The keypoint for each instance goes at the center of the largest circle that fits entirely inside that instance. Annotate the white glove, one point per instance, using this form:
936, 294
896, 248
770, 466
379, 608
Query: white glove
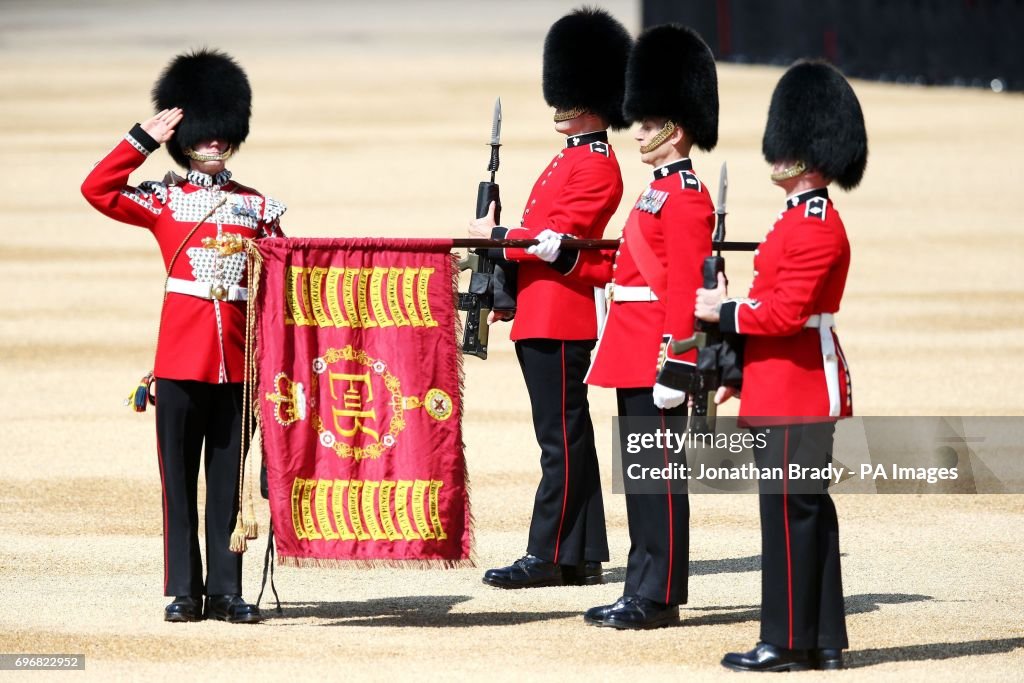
667, 398
548, 246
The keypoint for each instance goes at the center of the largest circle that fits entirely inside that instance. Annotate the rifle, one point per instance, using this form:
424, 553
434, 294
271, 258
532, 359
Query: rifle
719, 357
492, 283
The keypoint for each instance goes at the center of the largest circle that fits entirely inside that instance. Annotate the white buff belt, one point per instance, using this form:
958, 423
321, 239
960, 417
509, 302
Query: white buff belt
207, 290
621, 294
824, 323
601, 308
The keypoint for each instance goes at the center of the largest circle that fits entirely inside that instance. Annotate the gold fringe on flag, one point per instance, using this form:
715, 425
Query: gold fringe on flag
459, 331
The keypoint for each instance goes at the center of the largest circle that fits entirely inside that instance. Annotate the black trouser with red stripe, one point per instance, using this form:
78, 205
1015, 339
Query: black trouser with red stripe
187, 415
801, 580
659, 525
568, 511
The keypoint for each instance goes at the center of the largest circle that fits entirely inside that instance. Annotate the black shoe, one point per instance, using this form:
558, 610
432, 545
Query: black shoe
640, 613
586, 574
526, 572
828, 659
233, 609
766, 657
595, 616
184, 608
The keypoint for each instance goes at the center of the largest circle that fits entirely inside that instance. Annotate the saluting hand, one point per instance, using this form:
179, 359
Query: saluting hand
709, 301
161, 127
481, 227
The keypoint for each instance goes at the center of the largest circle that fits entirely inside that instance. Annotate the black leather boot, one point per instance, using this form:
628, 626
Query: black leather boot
526, 572
767, 657
828, 659
640, 613
586, 574
595, 616
184, 608
233, 609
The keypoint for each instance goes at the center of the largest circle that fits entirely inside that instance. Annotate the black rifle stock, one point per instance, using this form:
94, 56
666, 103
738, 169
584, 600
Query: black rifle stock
705, 380
478, 300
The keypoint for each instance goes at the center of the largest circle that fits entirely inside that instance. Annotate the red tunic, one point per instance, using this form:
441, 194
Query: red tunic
675, 215
799, 271
576, 194
200, 338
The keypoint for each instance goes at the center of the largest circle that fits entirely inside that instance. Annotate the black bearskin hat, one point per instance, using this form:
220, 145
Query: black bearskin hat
672, 74
585, 55
215, 95
815, 118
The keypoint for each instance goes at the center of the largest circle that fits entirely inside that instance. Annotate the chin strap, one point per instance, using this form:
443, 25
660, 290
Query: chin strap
196, 156
799, 168
658, 140
567, 114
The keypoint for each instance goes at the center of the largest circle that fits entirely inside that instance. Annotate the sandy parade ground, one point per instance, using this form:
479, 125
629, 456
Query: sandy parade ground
371, 119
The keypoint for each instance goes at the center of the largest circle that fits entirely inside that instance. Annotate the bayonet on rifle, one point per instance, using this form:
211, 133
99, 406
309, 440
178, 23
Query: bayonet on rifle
488, 279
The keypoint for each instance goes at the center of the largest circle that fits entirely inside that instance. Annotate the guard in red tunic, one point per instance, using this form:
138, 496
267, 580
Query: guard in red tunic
555, 326
203, 99
796, 382
672, 90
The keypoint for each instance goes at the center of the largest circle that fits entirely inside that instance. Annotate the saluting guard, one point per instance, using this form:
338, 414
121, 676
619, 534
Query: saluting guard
203, 101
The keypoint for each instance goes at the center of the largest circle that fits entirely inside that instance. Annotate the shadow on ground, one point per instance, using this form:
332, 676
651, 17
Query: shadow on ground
414, 611
918, 653
855, 604
435, 611
733, 565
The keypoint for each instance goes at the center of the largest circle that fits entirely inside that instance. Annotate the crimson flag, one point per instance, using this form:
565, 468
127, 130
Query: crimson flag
360, 392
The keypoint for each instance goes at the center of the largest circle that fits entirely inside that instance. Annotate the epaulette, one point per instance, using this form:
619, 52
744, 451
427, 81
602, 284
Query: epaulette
155, 188
599, 147
273, 210
172, 178
816, 208
689, 181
